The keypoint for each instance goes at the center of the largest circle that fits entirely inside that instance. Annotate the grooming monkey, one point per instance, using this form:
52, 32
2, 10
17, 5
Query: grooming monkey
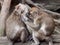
15, 28
41, 25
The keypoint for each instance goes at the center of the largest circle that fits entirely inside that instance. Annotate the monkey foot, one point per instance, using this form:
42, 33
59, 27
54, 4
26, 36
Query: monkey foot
34, 44
50, 43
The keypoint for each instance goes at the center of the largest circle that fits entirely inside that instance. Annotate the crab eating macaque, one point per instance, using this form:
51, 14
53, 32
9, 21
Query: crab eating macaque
40, 24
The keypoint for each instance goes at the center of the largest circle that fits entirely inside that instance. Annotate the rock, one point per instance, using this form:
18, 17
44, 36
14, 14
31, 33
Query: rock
5, 41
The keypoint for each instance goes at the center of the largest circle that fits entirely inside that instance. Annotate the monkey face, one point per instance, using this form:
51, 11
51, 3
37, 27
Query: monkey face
18, 9
33, 13
23, 10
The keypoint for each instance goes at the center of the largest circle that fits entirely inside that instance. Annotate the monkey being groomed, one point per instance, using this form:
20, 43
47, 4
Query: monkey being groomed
15, 28
40, 24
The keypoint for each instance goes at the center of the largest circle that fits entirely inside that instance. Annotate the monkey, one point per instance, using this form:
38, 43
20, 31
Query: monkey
15, 27
41, 25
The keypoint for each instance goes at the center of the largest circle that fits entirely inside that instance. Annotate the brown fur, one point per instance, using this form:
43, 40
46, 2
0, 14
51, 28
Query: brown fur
14, 25
42, 17
39, 17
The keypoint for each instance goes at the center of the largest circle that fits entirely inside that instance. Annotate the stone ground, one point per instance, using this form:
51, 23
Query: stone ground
5, 41
30, 44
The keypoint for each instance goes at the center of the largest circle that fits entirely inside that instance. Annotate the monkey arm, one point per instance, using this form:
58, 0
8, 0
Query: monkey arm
36, 24
32, 25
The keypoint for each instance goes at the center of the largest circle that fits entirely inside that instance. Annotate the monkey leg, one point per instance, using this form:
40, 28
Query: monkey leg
37, 42
49, 40
23, 36
50, 43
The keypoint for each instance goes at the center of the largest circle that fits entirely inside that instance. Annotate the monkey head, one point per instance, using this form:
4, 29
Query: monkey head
34, 12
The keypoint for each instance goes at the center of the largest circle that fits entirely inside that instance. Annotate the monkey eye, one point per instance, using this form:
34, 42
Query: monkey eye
16, 13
